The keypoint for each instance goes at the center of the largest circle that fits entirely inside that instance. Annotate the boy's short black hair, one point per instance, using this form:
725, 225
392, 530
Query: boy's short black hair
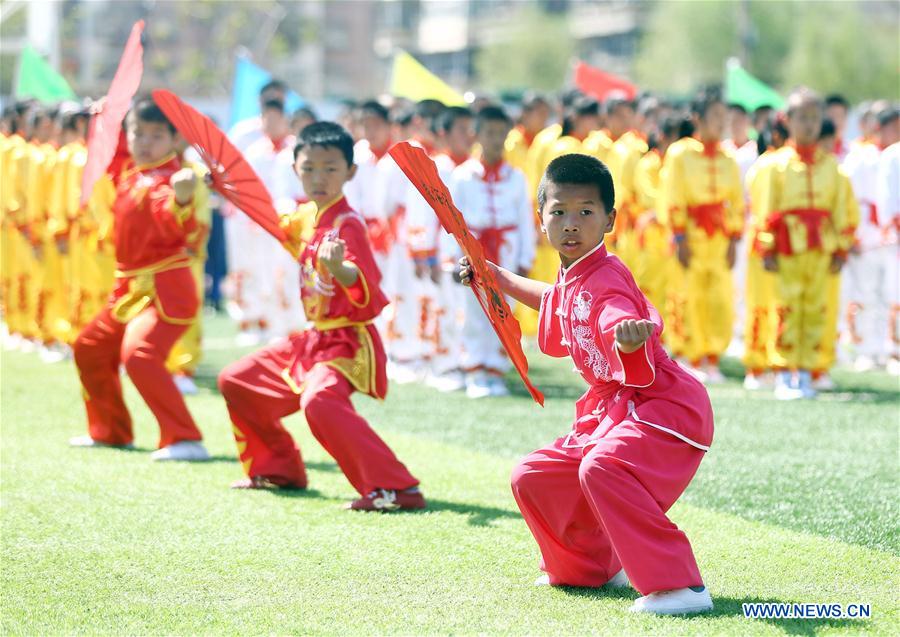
273, 85
326, 135
677, 126
579, 169
304, 111
705, 98
491, 113
146, 110
372, 107
611, 105
836, 99
451, 115
532, 100
734, 106
888, 115
273, 105
403, 116
429, 109
585, 105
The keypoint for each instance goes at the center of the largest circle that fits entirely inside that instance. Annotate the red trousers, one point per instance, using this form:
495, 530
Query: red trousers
143, 345
258, 398
597, 512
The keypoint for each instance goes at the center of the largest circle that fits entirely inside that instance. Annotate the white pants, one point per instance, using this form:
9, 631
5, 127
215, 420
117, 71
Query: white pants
481, 349
875, 288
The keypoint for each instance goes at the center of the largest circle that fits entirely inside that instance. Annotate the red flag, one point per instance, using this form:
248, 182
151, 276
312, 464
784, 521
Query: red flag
229, 173
601, 85
423, 174
103, 136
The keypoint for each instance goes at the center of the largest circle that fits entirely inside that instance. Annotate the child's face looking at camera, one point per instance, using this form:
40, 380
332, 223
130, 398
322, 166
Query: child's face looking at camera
323, 171
575, 219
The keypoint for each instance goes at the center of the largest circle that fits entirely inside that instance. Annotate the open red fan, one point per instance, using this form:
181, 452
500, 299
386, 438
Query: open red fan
103, 136
423, 174
230, 174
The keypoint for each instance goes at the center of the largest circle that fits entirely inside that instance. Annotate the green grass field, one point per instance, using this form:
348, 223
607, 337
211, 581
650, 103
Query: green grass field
796, 502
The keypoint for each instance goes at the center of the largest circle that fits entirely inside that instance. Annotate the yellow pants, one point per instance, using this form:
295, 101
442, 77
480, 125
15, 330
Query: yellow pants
50, 282
801, 301
545, 268
830, 333
185, 356
652, 260
710, 298
23, 293
7, 258
676, 334
759, 300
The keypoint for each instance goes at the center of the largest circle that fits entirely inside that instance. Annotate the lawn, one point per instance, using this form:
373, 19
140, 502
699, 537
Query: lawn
796, 502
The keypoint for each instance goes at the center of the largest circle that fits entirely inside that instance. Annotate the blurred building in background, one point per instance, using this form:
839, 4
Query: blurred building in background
336, 49
343, 49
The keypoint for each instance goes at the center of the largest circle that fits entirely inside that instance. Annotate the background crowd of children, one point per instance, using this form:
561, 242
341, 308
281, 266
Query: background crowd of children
773, 231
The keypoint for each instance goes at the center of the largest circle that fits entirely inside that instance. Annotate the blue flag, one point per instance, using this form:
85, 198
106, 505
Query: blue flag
248, 79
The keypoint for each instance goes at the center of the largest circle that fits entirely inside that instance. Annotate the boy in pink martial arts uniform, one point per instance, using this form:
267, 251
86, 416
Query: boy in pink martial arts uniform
596, 499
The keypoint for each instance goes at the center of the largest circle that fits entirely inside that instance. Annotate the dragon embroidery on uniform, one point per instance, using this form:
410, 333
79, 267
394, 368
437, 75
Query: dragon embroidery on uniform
585, 338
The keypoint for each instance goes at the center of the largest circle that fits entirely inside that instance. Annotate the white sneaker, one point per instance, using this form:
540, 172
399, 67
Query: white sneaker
248, 338
403, 373
619, 580
447, 382
28, 346
714, 375
752, 382
185, 384
477, 386
497, 387
681, 601
52, 354
893, 367
12, 342
186, 450
786, 388
87, 441
863, 364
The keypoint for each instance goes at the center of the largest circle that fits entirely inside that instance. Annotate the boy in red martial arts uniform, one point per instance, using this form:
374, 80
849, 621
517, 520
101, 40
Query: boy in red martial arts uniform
596, 499
154, 300
318, 369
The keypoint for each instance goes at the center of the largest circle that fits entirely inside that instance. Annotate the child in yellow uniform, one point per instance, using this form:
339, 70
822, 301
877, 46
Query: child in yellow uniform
810, 217
653, 237
702, 188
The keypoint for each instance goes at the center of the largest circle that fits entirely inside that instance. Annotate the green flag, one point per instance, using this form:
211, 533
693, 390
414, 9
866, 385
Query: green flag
37, 79
744, 89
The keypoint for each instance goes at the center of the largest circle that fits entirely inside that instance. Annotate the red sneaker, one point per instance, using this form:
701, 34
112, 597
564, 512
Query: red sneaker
388, 500
263, 483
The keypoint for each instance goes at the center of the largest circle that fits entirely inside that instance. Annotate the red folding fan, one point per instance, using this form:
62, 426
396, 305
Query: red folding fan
103, 136
230, 174
423, 174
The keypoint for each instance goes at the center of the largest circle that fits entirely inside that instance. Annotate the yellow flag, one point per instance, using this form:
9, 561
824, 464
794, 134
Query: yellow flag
413, 81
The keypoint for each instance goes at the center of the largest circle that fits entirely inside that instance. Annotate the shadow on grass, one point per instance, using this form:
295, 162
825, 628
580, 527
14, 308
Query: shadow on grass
726, 607
477, 515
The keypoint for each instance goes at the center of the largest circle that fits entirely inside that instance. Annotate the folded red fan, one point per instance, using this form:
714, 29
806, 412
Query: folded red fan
106, 124
229, 173
423, 174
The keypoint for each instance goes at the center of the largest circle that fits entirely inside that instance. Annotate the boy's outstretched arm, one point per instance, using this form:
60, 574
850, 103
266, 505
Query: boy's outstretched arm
524, 290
